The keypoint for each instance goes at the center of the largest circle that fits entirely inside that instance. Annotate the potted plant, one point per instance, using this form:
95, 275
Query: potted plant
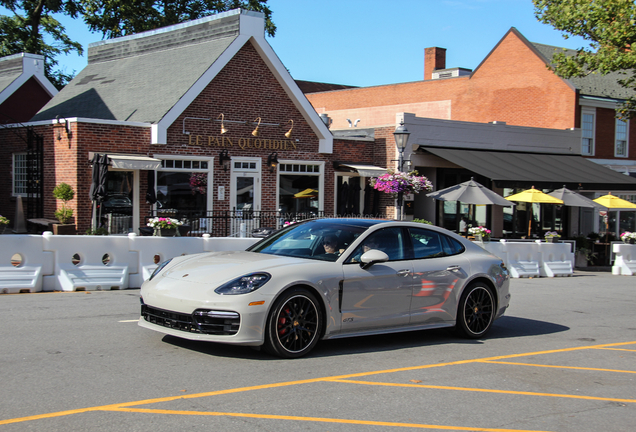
552, 236
481, 233
628, 237
4, 222
165, 227
64, 192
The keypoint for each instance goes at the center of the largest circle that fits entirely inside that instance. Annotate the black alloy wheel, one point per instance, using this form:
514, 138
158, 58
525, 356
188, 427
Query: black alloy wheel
476, 311
293, 324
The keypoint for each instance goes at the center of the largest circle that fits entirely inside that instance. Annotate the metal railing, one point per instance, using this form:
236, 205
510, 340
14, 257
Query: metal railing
231, 223
236, 223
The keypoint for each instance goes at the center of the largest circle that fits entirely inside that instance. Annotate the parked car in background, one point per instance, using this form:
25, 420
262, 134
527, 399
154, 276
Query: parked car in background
118, 204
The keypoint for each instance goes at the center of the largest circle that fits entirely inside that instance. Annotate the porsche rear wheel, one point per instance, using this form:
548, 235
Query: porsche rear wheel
476, 311
294, 324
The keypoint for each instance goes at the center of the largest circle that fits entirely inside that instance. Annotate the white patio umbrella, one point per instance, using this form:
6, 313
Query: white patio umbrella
574, 199
470, 192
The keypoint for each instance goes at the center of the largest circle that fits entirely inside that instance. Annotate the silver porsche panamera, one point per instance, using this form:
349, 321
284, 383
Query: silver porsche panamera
328, 278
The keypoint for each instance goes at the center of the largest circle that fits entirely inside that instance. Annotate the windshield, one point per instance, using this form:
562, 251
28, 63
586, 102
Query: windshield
322, 239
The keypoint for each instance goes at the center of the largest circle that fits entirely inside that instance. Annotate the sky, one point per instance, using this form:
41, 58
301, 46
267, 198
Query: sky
373, 42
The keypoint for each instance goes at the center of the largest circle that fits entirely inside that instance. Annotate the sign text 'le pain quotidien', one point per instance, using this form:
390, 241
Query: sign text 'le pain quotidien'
242, 143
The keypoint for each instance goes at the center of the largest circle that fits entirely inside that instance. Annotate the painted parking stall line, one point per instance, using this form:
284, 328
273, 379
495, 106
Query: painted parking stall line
133, 406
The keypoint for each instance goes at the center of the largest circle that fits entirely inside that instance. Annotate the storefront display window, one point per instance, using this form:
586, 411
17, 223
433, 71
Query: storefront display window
182, 186
299, 190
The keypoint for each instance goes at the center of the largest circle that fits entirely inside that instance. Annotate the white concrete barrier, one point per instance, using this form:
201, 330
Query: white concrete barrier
625, 259
523, 259
23, 263
497, 248
90, 262
153, 250
556, 259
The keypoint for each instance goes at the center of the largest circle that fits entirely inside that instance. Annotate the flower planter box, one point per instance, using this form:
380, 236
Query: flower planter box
64, 229
165, 232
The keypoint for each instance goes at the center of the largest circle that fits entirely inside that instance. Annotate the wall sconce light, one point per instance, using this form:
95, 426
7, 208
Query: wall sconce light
224, 157
288, 134
255, 131
67, 127
222, 117
272, 161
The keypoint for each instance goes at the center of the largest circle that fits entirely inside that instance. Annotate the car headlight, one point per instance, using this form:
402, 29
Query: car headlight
244, 284
159, 268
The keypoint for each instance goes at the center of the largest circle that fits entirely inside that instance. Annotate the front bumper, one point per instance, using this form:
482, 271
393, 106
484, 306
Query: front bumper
231, 327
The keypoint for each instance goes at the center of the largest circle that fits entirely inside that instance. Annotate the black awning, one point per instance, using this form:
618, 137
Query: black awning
518, 169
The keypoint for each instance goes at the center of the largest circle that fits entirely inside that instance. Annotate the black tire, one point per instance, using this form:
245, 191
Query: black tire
294, 324
476, 311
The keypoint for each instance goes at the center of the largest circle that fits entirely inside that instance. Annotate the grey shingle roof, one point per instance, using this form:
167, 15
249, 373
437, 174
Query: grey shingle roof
141, 77
593, 84
10, 70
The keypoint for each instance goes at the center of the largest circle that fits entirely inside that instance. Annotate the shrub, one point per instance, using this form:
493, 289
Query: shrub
64, 193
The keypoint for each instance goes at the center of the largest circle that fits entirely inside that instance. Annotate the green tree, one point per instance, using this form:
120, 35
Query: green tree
609, 25
33, 22
114, 18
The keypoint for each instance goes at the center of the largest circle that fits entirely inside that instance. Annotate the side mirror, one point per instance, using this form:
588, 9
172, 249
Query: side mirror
372, 257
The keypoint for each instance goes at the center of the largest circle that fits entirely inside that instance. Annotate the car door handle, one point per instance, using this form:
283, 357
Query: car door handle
453, 268
404, 273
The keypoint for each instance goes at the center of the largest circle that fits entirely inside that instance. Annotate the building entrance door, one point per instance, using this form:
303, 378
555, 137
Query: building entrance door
245, 194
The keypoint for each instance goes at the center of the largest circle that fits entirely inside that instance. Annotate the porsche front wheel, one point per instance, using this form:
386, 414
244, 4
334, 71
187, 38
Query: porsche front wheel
293, 324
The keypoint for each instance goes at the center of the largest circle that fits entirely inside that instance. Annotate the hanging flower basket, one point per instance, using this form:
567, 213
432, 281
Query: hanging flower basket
394, 182
199, 183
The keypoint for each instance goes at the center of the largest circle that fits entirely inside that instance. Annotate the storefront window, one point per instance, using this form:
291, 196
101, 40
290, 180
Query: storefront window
299, 190
181, 188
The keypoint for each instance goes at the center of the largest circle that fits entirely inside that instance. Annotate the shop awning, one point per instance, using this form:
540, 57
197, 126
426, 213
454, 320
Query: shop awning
364, 170
132, 162
512, 169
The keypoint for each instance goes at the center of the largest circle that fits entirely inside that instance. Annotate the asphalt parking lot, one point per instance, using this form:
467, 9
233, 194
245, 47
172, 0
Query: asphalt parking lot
563, 359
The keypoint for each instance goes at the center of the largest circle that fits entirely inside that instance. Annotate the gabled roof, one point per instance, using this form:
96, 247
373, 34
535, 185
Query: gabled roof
594, 84
17, 69
154, 76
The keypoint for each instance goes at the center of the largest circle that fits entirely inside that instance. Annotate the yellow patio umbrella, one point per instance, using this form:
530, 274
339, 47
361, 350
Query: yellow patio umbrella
307, 193
533, 196
613, 202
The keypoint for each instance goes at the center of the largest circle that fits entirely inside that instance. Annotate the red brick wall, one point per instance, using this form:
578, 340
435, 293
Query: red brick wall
434, 58
512, 85
605, 130
243, 91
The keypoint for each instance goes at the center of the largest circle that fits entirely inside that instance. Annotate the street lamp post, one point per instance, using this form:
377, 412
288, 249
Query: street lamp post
401, 136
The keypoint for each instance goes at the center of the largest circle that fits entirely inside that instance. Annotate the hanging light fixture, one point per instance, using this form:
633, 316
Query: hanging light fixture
272, 161
255, 131
288, 134
224, 157
223, 129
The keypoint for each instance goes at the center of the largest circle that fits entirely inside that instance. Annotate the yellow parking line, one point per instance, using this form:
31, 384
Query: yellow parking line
615, 349
320, 419
307, 381
481, 390
558, 367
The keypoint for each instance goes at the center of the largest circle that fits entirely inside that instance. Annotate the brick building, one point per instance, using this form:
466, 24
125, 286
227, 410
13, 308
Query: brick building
511, 111
201, 116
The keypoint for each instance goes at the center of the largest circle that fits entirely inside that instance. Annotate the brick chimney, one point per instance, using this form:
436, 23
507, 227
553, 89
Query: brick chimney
434, 58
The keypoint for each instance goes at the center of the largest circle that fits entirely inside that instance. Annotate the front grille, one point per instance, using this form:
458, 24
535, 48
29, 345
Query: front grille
202, 321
